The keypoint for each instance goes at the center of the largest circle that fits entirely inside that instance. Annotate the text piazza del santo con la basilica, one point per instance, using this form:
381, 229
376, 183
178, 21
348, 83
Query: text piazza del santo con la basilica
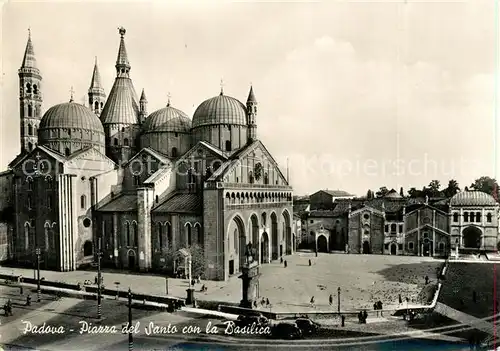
143, 183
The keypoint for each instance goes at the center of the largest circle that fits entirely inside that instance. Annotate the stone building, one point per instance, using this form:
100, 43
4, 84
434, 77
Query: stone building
143, 185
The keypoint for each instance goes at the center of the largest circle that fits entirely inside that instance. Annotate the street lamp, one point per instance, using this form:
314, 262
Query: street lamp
38, 271
130, 337
338, 296
99, 286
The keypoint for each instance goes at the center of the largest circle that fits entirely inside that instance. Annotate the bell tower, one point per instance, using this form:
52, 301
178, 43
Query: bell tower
97, 96
251, 116
30, 98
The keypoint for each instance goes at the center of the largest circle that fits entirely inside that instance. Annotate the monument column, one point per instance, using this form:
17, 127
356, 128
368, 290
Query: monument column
249, 278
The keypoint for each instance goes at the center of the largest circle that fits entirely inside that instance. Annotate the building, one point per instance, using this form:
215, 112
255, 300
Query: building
394, 225
143, 186
325, 199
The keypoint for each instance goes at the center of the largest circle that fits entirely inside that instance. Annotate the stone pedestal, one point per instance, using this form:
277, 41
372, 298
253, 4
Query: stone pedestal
190, 296
250, 280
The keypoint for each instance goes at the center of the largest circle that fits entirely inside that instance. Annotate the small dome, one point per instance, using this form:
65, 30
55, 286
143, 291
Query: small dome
167, 119
472, 198
221, 109
71, 115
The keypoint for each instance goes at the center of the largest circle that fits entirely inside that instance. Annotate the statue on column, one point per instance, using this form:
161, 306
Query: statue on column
249, 253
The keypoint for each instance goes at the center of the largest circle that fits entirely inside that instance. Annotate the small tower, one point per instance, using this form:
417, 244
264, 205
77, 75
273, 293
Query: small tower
251, 116
122, 65
97, 97
143, 107
30, 98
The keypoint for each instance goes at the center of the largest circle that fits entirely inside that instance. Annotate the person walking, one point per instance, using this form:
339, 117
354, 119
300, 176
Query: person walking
286, 264
330, 299
426, 280
312, 301
310, 263
342, 320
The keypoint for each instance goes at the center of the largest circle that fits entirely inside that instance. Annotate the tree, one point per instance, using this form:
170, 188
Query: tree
369, 194
414, 193
197, 260
452, 188
487, 185
382, 192
433, 188
401, 192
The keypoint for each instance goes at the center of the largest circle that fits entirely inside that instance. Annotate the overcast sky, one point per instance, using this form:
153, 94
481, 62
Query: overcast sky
356, 94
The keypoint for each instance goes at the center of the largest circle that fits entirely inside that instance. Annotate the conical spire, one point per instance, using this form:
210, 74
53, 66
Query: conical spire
29, 60
95, 83
251, 96
143, 96
122, 64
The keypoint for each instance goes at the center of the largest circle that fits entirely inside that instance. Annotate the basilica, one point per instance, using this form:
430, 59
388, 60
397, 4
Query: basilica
136, 187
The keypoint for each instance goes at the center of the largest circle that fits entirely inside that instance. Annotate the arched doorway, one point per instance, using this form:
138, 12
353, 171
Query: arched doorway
131, 259
427, 247
254, 227
274, 237
366, 247
472, 237
87, 248
264, 248
237, 241
394, 249
287, 233
322, 244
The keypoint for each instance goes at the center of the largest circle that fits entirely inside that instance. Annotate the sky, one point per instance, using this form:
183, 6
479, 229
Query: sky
354, 94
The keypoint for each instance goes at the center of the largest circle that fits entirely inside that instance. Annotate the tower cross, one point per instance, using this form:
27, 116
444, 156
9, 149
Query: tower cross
169, 96
71, 92
222, 86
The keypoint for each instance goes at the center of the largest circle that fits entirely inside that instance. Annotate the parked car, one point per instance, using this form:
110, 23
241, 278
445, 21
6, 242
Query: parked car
287, 331
259, 320
307, 326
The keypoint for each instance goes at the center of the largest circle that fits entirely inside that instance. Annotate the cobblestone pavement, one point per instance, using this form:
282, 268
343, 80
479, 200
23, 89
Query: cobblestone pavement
363, 279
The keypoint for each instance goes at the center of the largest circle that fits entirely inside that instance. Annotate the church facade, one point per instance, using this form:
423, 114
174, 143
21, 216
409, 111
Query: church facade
143, 186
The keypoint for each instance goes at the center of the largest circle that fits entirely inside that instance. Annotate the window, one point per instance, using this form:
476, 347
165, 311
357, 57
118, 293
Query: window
67, 152
441, 246
466, 216
235, 240
400, 228
26, 236
137, 180
266, 178
387, 228
366, 216
35, 89
426, 235
28, 88
156, 198
489, 217
169, 233
96, 105
176, 134
49, 182
29, 180
29, 203
410, 245
87, 248
478, 216
125, 142
83, 202
400, 246
250, 177
49, 201
30, 130
264, 219
228, 145
174, 152
115, 141
123, 129
87, 222
455, 217
136, 233
160, 235
393, 228
189, 234
30, 146
311, 221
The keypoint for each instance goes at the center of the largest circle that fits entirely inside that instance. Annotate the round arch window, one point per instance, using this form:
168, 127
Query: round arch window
87, 222
366, 216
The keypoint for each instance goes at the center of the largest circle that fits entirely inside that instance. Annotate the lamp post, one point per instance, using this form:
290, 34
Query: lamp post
166, 284
99, 279
130, 337
38, 273
338, 297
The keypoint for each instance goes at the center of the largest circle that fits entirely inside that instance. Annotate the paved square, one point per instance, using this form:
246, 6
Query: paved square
363, 279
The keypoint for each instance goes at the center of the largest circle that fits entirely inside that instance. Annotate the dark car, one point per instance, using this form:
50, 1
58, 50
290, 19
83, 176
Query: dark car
286, 331
259, 321
307, 326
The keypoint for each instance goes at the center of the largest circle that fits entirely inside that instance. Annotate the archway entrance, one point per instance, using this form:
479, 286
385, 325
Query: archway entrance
322, 244
287, 233
394, 249
427, 247
87, 249
131, 259
366, 247
264, 248
237, 241
472, 237
274, 237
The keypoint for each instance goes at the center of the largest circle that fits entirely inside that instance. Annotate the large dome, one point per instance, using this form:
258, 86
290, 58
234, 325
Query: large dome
472, 198
221, 109
167, 119
70, 116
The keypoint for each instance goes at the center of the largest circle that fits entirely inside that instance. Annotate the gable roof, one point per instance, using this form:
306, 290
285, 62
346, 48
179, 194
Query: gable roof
93, 149
56, 155
336, 193
160, 157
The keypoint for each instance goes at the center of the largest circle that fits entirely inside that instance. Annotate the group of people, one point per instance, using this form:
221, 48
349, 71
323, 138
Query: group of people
362, 316
7, 308
377, 306
264, 302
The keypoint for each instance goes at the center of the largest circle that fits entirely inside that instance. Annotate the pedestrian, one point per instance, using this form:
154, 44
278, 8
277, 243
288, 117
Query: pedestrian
310, 263
365, 316
474, 296
426, 280
20, 289
281, 259
267, 302
330, 299
95, 280
380, 307
375, 308
360, 317
400, 299
312, 301
342, 318
263, 302
255, 303
28, 300
286, 264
